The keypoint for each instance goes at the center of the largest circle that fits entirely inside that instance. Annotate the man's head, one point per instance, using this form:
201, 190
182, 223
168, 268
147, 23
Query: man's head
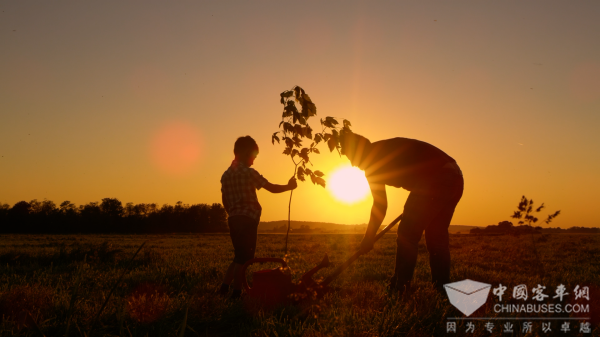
355, 147
245, 150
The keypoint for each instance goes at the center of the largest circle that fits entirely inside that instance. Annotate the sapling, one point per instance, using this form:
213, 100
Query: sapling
525, 211
294, 129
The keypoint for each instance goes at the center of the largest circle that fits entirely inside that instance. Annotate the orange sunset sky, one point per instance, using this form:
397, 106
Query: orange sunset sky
143, 100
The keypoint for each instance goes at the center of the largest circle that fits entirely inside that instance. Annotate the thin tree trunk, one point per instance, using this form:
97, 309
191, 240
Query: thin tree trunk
289, 213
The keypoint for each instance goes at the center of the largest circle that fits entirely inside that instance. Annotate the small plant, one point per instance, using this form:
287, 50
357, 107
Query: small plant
294, 129
525, 211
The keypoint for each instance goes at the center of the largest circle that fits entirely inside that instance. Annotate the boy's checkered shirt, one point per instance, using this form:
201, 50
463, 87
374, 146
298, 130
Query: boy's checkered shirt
238, 188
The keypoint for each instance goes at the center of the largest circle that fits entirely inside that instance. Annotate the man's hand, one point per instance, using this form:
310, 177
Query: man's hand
367, 244
292, 184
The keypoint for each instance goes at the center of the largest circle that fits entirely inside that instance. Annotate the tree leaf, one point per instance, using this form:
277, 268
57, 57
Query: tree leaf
288, 142
301, 119
287, 151
319, 181
331, 120
331, 143
274, 138
318, 138
308, 171
311, 109
297, 92
300, 174
294, 152
280, 123
304, 154
319, 173
297, 141
315, 150
287, 127
286, 94
347, 123
298, 130
308, 132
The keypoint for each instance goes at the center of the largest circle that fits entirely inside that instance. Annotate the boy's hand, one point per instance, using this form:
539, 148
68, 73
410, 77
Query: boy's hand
292, 184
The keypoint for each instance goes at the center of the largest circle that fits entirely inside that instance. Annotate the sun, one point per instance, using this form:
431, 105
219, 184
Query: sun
348, 184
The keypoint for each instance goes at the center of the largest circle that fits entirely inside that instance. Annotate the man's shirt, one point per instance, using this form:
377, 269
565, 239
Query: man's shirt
238, 188
404, 162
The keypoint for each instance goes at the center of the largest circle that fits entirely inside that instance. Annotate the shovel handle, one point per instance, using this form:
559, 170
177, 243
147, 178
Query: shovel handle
353, 258
258, 260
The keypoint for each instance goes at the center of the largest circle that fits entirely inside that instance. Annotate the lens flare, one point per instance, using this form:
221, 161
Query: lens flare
176, 148
348, 184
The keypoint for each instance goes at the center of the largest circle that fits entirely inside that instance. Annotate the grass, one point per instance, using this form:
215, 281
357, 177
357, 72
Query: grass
60, 283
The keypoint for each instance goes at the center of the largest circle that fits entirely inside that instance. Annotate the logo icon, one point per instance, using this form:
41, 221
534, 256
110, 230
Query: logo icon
467, 295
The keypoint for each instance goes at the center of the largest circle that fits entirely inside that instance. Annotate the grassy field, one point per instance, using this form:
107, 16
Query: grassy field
60, 283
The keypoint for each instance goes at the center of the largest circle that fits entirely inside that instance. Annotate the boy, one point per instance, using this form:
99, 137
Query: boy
238, 190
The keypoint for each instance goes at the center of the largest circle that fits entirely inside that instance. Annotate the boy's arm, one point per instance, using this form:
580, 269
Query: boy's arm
274, 188
225, 203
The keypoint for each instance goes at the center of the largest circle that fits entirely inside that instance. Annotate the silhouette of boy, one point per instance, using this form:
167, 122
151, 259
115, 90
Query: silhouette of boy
436, 185
238, 191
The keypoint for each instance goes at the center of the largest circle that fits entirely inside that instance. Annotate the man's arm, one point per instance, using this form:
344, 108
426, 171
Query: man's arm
274, 188
378, 211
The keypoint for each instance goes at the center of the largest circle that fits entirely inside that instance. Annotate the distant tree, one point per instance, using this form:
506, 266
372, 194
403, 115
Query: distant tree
109, 216
218, 218
91, 218
505, 225
18, 217
201, 217
525, 211
20, 209
112, 207
475, 230
4, 208
112, 211
68, 217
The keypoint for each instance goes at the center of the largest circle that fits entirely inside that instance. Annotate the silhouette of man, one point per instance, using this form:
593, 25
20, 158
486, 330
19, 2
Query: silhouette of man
238, 191
436, 185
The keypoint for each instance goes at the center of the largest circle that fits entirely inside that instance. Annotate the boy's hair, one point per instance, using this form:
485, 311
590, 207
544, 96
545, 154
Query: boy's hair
245, 146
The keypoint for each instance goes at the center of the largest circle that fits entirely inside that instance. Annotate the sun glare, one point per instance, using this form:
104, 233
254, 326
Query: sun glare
348, 184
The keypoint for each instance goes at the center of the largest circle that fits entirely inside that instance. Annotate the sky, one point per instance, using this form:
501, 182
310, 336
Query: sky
143, 101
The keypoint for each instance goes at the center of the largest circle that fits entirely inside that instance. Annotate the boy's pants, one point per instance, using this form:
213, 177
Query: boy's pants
242, 230
428, 209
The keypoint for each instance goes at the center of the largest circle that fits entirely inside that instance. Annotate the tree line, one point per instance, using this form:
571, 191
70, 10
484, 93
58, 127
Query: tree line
110, 216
